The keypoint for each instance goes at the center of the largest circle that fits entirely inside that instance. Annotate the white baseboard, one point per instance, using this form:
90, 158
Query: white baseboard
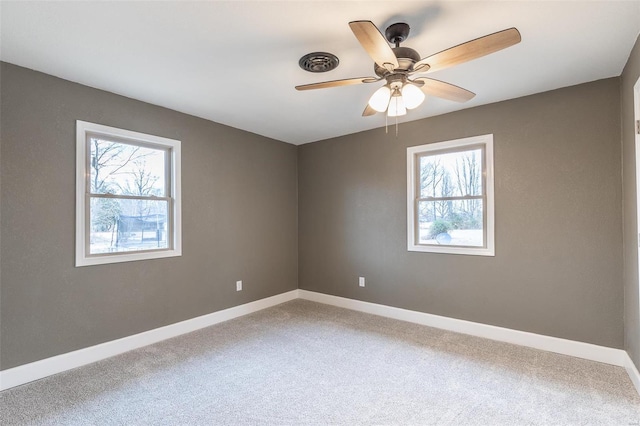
632, 371
39, 369
522, 338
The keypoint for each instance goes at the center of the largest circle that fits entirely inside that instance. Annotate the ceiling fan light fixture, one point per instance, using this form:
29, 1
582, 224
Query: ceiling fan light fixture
396, 106
412, 96
396, 65
380, 99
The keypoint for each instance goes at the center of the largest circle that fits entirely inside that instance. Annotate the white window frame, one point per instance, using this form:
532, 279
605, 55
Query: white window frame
83, 131
413, 153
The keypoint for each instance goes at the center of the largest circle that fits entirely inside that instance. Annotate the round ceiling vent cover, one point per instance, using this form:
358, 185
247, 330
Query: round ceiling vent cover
318, 62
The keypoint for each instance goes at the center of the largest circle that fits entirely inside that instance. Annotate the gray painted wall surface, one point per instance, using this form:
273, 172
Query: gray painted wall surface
558, 268
558, 264
630, 75
239, 222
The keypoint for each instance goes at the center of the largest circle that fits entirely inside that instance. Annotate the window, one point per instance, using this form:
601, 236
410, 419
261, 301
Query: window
127, 195
450, 197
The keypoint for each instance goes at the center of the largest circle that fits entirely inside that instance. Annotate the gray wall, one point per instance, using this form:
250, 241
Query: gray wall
630, 75
239, 222
557, 271
558, 264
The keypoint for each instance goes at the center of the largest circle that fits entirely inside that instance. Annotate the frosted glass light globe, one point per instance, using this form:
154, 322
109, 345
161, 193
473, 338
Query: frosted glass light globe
413, 97
380, 99
396, 107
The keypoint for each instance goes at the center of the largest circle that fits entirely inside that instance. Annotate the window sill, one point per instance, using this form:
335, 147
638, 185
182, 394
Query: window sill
480, 251
125, 257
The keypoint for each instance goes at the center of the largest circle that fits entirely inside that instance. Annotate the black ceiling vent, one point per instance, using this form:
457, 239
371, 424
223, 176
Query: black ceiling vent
318, 62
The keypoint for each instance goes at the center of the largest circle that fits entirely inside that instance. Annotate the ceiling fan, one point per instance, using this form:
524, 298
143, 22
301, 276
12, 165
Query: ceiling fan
396, 65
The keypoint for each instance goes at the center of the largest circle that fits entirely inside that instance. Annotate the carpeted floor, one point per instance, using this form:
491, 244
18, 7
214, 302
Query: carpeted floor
307, 363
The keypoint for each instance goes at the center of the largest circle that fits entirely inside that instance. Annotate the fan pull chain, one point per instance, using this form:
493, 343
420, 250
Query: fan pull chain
386, 124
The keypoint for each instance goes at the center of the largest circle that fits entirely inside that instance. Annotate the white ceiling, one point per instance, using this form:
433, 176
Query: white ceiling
236, 62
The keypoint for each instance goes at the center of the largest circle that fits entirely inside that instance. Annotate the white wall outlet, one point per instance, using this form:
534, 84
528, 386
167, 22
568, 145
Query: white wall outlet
361, 281
238, 285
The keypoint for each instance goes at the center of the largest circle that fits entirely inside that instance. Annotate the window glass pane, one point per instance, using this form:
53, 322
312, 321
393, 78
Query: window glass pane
123, 169
452, 222
121, 225
452, 174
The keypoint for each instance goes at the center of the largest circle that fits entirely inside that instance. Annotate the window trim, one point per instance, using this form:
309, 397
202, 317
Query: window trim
83, 130
489, 201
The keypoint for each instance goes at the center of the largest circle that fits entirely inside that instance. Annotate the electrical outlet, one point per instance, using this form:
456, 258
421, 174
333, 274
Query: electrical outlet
361, 281
238, 285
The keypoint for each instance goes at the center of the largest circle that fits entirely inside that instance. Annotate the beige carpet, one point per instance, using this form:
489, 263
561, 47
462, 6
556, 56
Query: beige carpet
306, 363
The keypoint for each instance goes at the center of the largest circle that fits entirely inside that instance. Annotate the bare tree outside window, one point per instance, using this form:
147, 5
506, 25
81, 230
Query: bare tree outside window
450, 203
107, 159
468, 171
127, 185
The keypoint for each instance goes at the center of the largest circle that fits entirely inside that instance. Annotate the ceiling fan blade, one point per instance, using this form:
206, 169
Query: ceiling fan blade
369, 111
336, 83
470, 50
444, 90
375, 44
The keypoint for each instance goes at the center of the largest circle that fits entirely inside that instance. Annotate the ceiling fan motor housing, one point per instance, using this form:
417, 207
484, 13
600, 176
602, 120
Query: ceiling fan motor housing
406, 58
